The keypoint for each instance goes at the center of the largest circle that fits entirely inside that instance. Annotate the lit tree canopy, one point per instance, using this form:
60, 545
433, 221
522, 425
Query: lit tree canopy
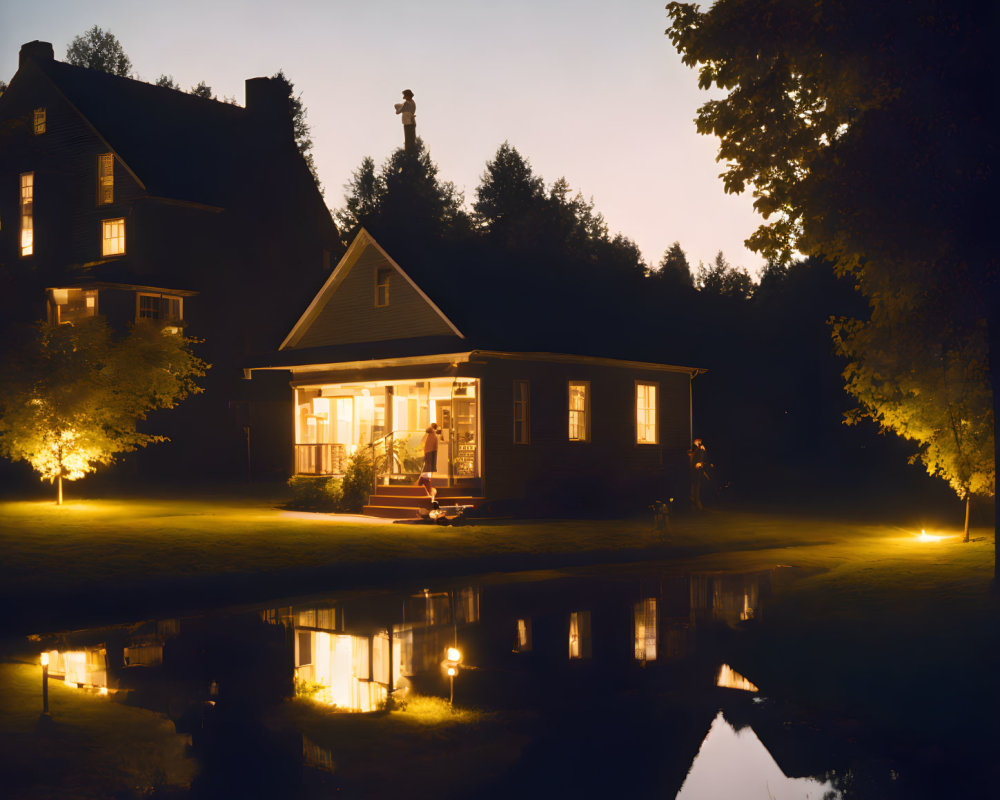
72, 396
99, 49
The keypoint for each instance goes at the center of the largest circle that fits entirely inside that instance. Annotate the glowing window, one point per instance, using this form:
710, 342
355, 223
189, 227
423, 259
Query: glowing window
645, 413
382, 287
105, 179
39, 121
27, 213
579, 634
70, 305
523, 642
113, 237
579, 411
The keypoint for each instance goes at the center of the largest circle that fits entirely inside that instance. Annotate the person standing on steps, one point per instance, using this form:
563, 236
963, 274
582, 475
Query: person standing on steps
430, 446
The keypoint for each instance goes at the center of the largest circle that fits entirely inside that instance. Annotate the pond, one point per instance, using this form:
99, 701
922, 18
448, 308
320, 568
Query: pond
633, 680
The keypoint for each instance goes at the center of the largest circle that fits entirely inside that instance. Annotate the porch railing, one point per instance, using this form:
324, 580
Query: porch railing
320, 459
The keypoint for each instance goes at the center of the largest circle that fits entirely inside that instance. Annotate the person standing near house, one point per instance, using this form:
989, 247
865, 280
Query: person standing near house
430, 446
409, 111
698, 458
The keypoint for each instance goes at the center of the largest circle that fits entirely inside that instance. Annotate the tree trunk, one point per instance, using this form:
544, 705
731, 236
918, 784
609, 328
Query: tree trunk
59, 482
967, 500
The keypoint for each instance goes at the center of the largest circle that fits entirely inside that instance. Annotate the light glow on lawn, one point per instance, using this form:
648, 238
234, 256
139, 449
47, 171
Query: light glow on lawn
930, 537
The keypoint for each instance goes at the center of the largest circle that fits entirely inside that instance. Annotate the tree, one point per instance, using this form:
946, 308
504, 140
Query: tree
167, 82
509, 196
203, 90
99, 49
300, 128
724, 280
363, 197
864, 133
674, 269
72, 396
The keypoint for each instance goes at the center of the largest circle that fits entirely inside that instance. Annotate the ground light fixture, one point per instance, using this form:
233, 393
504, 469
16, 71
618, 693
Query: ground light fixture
450, 665
929, 537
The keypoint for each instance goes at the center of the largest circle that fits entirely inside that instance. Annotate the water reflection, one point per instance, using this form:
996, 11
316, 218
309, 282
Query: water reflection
736, 764
610, 644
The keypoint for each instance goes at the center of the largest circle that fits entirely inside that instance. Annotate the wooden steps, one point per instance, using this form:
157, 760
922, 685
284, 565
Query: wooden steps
402, 502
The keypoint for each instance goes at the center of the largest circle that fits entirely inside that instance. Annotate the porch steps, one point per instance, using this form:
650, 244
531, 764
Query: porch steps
402, 502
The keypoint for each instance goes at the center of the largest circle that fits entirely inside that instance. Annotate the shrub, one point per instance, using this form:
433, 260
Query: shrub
359, 478
315, 493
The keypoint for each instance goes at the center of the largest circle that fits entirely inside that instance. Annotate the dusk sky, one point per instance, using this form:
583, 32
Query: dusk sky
589, 90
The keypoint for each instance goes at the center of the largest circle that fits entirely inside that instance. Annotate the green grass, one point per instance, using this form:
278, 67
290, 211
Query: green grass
91, 747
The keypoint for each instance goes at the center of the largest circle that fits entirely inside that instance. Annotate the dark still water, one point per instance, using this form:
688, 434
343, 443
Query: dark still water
623, 681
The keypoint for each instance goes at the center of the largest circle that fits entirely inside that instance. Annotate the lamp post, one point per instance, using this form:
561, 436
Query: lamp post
453, 657
45, 684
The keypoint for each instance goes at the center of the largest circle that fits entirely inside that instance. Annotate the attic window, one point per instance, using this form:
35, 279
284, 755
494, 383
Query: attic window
39, 121
105, 179
113, 237
382, 287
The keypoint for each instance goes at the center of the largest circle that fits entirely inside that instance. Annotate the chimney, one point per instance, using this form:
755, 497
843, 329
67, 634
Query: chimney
267, 102
37, 51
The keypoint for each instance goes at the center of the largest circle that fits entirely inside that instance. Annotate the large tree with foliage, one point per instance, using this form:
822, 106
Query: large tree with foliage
72, 397
674, 269
300, 128
863, 130
99, 49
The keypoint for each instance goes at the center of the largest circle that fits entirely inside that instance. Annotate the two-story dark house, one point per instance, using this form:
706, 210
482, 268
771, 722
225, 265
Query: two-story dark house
121, 198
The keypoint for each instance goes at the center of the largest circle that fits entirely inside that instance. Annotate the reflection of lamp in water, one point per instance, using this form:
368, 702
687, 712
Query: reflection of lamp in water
45, 683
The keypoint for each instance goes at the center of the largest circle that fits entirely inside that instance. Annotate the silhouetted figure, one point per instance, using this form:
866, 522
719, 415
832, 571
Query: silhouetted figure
698, 457
409, 111
430, 446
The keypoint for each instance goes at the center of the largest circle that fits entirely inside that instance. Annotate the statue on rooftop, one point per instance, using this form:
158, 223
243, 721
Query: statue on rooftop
409, 111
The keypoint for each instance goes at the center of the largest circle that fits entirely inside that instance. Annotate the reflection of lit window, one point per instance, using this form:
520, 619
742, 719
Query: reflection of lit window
39, 121
113, 237
382, 287
105, 179
645, 413
27, 213
645, 630
70, 305
579, 411
523, 644
522, 426
730, 679
579, 634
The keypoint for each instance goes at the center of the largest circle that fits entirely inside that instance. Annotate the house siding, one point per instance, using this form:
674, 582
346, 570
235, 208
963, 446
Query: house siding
349, 314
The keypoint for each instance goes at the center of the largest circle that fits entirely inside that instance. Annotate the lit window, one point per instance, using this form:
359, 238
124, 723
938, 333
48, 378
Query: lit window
27, 213
645, 413
39, 121
382, 287
149, 306
523, 643
113, 237
70, 305
579, 634
579, 411
105, 179
522, 422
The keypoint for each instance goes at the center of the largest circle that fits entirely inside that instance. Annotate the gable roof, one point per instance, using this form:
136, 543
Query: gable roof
362, 243
175, 144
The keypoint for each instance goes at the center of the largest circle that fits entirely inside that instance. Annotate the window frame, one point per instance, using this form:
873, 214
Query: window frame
105, 226
39, 121
570, 411
105, 179
159, 297
522, 422
656, 412
382, 288
26, 213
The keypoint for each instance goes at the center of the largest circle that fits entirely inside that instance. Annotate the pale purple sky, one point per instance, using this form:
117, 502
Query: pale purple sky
589, 90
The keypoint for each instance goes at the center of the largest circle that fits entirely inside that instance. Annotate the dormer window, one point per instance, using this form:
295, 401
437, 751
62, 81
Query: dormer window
70, 305
105, 179
382, 287
39, 121
27, 213
113, 237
